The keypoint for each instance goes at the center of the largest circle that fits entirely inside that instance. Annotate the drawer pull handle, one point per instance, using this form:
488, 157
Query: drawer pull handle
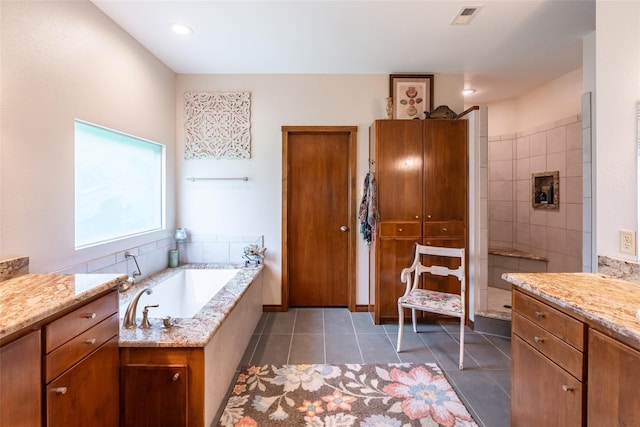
400, 230
538, 339
539, 314
429, 216
90, 341
417, 216
566, 387
176, 376
444, 229
90, 316
60, 390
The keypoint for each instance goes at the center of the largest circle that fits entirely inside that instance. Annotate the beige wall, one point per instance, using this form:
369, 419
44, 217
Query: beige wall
217, 210
62, 61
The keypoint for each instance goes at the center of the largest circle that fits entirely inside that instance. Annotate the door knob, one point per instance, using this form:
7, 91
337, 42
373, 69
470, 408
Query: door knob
344, 228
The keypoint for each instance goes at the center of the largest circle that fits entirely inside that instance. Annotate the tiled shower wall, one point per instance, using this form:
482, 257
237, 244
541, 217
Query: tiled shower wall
513, 223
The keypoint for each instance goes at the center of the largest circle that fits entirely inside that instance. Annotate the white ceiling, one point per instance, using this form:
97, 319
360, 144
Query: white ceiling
509, 48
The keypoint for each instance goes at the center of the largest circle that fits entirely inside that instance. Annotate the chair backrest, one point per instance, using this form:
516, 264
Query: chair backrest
439, 270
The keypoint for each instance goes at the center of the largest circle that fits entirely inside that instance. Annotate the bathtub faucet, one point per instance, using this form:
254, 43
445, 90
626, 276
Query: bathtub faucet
129, 321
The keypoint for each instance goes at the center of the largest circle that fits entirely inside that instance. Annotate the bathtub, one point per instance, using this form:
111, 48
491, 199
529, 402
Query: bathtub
183, 294
214, 311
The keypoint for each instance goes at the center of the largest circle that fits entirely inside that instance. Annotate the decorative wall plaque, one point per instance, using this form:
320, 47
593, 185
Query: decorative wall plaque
217, 125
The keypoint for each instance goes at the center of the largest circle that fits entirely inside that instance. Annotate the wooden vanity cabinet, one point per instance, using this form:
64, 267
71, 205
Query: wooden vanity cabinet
21, 382
421, 170
614, 377
548, 382
81, 369
162, 386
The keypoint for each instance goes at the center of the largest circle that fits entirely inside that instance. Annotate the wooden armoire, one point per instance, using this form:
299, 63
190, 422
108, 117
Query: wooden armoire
421, 170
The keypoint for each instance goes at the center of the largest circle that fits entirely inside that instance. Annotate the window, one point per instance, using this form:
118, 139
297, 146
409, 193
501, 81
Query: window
119, 185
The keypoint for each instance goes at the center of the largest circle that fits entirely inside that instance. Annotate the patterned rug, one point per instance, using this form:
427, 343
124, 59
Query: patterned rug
394, 395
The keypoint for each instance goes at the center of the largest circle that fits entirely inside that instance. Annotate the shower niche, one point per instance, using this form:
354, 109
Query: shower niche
545, 190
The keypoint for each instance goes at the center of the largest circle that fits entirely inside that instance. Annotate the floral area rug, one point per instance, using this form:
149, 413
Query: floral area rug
394, 395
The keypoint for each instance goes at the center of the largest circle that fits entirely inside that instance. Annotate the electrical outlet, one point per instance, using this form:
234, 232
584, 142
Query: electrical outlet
628, 242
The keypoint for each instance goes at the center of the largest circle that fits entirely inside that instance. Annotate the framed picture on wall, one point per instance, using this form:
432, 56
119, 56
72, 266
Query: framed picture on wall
412, 95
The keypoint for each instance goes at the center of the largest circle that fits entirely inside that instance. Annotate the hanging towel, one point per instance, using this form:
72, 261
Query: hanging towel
367, 214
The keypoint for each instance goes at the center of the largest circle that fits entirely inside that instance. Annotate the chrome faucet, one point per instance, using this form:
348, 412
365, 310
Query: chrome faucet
129, 321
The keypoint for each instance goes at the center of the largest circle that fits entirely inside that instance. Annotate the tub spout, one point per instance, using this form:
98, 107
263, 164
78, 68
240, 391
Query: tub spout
129, 321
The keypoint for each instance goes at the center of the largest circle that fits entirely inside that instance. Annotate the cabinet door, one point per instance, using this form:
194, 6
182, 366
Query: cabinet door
392, 256
614, 376
155, 395
542, 394
20, 382
445, 170
398, 167
88, 393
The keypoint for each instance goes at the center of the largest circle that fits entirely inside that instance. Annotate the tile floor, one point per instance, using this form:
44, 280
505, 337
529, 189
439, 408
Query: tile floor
316, 335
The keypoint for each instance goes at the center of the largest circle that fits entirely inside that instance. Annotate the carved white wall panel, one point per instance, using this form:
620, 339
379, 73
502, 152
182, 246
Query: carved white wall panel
217, 125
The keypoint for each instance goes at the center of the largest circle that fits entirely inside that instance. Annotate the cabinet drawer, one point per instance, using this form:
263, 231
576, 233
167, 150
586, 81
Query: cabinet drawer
70, 325
559, 324
64, 357
444, 229
558, 351
400, 229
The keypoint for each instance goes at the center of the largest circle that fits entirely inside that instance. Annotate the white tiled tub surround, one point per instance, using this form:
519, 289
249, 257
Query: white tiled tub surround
154, 257
513, 223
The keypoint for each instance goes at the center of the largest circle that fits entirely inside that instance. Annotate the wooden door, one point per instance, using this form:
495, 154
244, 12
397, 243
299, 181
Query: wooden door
319, 221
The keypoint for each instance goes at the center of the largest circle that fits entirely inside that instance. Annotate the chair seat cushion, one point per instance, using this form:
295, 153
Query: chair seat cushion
439, 302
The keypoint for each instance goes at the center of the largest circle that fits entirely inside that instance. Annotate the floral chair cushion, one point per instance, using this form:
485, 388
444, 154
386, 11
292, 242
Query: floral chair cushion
438, 301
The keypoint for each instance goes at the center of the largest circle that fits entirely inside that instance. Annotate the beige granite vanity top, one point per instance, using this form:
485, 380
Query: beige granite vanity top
28, 299
514, 253
192, 332
604, 301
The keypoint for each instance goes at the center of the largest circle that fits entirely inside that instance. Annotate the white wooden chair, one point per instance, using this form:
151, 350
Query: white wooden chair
449, 304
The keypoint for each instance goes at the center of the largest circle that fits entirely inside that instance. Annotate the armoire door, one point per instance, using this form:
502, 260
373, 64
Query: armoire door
319, 225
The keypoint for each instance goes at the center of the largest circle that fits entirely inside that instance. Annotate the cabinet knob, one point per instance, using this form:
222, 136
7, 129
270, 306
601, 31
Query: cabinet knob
566, 387
90, 316
176, 376
429, 216
344, 228
417, 216
90, 341
400, 230
538, 339
60, 390
539, 314
444, 229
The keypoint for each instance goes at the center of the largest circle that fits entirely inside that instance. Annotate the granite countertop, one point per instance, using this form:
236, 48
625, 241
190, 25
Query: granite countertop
192, 332
514, 253
31, 298
608, 303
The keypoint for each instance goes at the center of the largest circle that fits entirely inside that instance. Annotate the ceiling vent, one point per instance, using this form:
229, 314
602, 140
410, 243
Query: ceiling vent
466, 15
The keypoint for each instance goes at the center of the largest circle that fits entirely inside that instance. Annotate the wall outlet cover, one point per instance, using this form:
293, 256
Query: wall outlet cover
628, 242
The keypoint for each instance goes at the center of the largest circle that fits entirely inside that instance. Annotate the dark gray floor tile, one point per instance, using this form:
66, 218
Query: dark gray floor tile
280, 322
446, 350
307, 348
484, 353
376, 348
272, 349
260, 326
342, 348
363, 323
502, 377
250, 350
308, 320
337, 321
392, 328
414, 350
504, 344
483, 396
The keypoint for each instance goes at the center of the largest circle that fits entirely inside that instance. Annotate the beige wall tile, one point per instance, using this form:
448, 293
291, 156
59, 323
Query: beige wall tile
557, 219
538, 237
557, 140
557, 162
574, 264
501, 190
523, 233
522, 169
572, 192
522, 147
501, 150
532, 266
538, 164
501, 211
523, 211
557, 240
574, 136
574, 163
538, 144
538, 217
574, 243
523, 190
574, 216
501, 170
557, 263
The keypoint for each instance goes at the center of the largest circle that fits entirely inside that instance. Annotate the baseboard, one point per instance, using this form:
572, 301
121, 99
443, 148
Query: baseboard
266, 308
362, 308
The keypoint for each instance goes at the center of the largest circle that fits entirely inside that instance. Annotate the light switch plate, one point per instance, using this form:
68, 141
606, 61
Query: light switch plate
628, 242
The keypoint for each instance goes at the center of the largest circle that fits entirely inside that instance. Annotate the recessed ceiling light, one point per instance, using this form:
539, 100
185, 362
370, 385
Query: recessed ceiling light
468, 91
182, 29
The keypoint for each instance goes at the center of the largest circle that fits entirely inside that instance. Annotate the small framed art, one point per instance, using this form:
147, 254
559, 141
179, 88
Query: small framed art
412, 95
